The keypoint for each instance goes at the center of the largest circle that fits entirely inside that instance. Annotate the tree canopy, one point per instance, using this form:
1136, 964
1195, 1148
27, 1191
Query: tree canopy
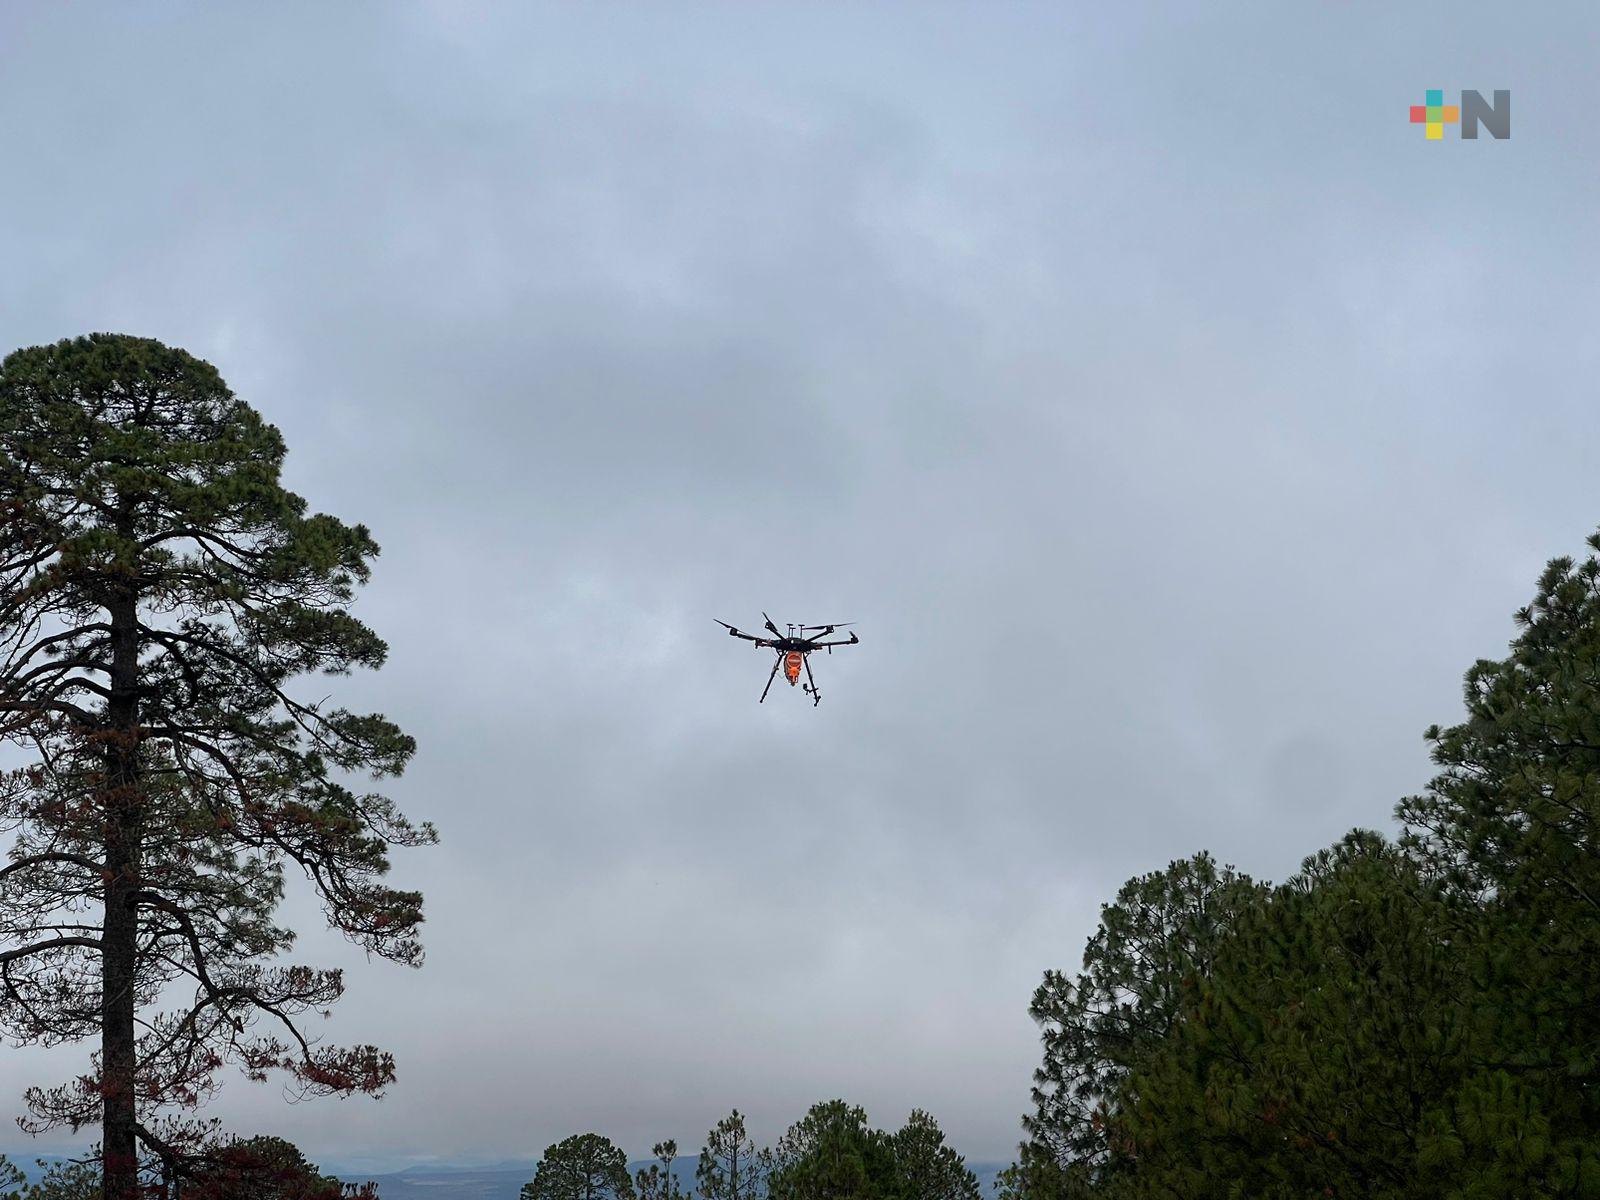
927, 1168
832, 1154
583, 1167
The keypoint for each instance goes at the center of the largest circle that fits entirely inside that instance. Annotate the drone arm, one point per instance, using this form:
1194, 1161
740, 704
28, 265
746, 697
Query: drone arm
850, 641
732, 632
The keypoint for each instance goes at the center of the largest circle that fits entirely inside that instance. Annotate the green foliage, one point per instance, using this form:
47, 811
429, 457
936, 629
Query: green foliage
927, 1168
832, 1154
584, 1167
1037, 1176
1155, 941
1512, 823
1313, 1053
1514, 816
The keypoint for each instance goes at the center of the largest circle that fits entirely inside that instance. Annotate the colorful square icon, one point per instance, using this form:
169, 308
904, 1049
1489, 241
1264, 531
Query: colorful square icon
1435, 114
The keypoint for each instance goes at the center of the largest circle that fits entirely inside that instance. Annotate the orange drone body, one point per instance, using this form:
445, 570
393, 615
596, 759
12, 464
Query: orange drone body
791, 666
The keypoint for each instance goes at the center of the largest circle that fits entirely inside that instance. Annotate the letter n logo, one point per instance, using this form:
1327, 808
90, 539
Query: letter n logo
1475, 111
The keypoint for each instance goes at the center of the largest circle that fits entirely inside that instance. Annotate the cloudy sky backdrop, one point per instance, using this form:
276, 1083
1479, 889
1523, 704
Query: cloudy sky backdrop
1177, 423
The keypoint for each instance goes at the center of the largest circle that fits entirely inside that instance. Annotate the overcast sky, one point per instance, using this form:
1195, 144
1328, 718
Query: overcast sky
1177, 423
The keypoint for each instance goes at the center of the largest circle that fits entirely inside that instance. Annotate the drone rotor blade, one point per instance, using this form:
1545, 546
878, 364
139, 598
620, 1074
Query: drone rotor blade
771, 626
835, 625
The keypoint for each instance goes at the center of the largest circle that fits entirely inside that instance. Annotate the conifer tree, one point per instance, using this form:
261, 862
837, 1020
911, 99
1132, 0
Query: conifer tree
927, 1168
583, 1167
833, 1154
1512, 820
657, 1181
264, 1168
1317, 1051
731, 1167
160, 593
1157, 937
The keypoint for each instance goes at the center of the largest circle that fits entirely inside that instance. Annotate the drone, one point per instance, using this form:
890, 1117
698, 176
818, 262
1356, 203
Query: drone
794, 652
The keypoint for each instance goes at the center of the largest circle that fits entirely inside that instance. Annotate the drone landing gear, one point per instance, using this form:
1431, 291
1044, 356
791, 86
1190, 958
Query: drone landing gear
811, 687
778, 662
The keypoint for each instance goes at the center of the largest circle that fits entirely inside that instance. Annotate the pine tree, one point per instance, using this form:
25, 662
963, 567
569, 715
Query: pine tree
731, 1167
657, 1181
583, 1167
263, 1168
1317, 1051
160, 592
833, 1154
1155, 940
927, 1168
1513, 822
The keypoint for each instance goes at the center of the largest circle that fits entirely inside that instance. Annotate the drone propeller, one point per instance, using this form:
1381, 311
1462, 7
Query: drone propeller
838, 625
772, 627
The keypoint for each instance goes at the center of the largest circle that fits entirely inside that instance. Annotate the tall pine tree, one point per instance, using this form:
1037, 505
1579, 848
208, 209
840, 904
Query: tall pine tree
929, 1169
731, 1167
659, 1181
585, 1166
1513, 822
160, 592
1156, 939
833, 1154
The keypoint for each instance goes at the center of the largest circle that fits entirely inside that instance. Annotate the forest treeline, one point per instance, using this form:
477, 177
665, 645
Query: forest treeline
1413, 1017
830, 1152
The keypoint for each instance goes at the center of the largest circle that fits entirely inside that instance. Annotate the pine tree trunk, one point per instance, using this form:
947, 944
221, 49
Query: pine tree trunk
119, 932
